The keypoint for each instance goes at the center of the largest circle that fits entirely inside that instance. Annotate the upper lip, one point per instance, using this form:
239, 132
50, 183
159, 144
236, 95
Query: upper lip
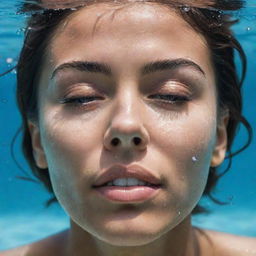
122, 171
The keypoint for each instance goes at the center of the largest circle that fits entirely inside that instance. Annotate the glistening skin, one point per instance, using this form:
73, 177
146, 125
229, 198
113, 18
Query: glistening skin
132, 76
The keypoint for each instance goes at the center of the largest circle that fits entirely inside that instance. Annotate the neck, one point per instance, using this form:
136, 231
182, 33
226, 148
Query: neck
180, 241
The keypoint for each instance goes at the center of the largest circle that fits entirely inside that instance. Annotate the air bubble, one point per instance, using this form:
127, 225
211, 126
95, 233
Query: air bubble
9, 60
4, 101
20, 31
248, 28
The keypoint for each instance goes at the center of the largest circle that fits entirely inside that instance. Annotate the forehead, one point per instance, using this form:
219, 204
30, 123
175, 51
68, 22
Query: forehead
135, 13
135, 18
104, 28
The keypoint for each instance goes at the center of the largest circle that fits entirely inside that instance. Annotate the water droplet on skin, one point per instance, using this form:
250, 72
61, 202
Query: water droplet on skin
186, 8
194, 159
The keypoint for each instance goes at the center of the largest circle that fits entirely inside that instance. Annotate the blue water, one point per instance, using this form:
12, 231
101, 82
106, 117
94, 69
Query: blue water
23, 217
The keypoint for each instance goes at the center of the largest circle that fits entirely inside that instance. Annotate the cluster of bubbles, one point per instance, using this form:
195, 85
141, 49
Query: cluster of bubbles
20, 31
11, 62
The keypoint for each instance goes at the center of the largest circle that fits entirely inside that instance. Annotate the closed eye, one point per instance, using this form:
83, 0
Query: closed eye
80, 100
170, 98
87, 100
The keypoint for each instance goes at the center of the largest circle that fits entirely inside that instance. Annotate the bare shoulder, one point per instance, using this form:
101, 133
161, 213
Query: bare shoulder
19, 251
48, 246
224, 244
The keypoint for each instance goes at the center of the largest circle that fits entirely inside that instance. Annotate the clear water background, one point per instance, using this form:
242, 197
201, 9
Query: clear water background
23, 217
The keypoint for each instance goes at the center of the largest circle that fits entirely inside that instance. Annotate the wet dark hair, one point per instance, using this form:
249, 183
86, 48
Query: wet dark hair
213, 23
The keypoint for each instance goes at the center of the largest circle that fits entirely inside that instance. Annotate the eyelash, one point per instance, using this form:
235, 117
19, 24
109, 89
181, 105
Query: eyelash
164, 98
171, 98
75, 100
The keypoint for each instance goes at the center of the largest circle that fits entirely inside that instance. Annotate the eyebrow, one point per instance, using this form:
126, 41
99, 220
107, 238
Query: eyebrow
85, 66
160, 65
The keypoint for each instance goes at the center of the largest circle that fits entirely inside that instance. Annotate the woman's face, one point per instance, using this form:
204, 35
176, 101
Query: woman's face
153, 81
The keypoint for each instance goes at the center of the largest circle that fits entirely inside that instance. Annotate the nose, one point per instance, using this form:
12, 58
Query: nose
126, 130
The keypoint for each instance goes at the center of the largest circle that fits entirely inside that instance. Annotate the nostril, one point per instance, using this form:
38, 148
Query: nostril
115, 142
137, 140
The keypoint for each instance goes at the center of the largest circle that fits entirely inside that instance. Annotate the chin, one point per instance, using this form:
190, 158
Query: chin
133, 235
129, 239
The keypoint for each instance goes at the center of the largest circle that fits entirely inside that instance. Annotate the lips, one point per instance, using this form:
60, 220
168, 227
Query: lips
131, 171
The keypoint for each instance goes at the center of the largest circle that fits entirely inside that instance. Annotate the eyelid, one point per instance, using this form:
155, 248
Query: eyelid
80, 89
69, 85
174, 87
177, 82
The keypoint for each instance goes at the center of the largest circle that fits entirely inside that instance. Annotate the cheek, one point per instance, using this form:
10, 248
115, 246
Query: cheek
190, 134
187, 145
66, 142
68, 134
70, 147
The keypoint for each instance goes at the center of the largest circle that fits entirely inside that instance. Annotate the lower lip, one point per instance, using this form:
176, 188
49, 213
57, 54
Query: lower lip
127, 194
